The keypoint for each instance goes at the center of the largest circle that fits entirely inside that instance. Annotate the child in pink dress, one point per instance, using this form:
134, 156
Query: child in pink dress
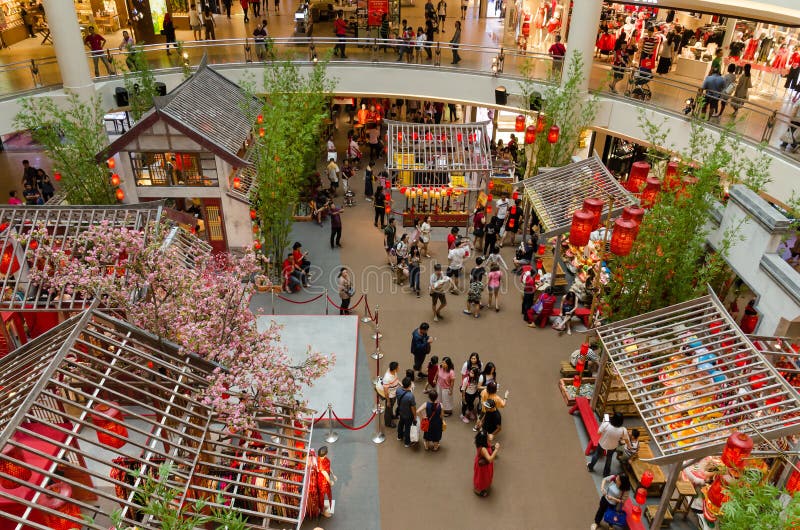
495, 276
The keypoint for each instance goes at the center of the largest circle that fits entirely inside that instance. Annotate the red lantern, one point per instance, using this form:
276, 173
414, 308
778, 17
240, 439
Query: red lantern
388, 209
255, 228
672, 169
261, 132
513, 210
443, 138
8, 261
650, 192
553, 134
62, 506
580, 365
428, 136
542, 250
388, 196
459, 137
449, 191
519, 123
671, 180
253, 214
647, 478
584, 349
595, 206
488, 209
415, 136
399, 137
641, 495
115, 180
260, 118
623, 236
636, 514
737, 448
541, 121
715, 495
637, 176
120, 194
257, 245
490, 185
33, 245
633, 213
57, 176
530, 134
581, 228
511, 223
110, 418
111, 163
237, 183
576, 381
471, 138
489, 197
515, 195
8, 467
793, 483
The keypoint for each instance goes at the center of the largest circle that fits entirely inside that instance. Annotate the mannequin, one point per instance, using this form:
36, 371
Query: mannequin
539, 20
780, 58
765, 47
751, 46
793, 77
554, 23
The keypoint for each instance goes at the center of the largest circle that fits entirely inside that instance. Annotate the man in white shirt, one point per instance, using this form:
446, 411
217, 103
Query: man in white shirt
501, 207
390, 385
438, 287
455, 268
333, 176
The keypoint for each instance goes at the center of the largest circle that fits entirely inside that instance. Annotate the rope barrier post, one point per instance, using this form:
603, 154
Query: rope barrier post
272, 295
379, 437
377, 355
326, 301
366, 318
332, 436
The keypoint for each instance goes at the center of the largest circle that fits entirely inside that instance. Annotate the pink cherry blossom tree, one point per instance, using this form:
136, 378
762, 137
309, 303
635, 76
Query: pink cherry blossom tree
202, 306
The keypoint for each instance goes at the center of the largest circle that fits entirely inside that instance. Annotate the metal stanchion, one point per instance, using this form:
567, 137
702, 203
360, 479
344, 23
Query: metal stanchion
377, 354
377, 335
326, 301
366, 318
332, 436
379, 437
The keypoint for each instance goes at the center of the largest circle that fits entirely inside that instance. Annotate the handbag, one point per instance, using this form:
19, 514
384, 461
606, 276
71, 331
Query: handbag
615, 518
424, 424
413, 433
537, 307
444, 425
648, 63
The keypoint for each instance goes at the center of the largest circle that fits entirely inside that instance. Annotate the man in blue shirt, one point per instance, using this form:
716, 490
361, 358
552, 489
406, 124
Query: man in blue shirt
420, 347
713, 85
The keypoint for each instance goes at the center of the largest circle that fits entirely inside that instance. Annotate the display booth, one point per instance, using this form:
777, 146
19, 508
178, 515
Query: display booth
555, 194
92, 408
695, 379
440, 170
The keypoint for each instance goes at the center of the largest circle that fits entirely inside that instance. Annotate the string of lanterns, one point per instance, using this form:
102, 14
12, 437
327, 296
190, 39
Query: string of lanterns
648, 187
428, 137
531, 131
587, 220
429, 199
115, 180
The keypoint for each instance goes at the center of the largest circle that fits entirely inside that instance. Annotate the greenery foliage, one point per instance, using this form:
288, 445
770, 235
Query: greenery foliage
755, 504
140, 82
293, 113
71, 134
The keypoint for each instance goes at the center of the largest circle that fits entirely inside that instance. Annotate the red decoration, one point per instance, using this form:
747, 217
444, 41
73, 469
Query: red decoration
576, 381
595, 206
793, 483
650, 192
715, 494
490, 185
641, 495
623, 236
22, 474
415, 136
584, 348
115, 180
257, 245
647, 478
57, 176
530, 134
33, 245
428, 136
580, 365
553, 134
253, 214
511, 223
541, 121
388, 209
8, 261
111, 163
488, 209
636, 514
388, 196
515, 196
581, 228
471, 138
519, 123
459, 137
110, 418
449, 191
489, 197
399, 137
260, 118
637, 176
261, 132
737, 448
62, 506
443, 138
634, 213
671, 180
120, 194
513, 210
237, 183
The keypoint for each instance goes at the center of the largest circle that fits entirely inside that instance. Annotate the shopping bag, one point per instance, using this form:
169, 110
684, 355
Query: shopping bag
414, 433
537, 307
648, 63
615, 518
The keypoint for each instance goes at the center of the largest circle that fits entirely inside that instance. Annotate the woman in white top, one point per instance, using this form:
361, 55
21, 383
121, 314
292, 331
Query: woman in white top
611, 433
391, 382
425, 235
196, 22
332, 155
474, 361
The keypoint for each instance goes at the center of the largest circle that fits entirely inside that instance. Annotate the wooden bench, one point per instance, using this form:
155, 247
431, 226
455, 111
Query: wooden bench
650, 512
686, 494
583, 406
569, 371
636, 467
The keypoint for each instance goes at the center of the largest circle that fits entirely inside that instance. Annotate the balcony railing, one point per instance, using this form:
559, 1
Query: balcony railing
754, 122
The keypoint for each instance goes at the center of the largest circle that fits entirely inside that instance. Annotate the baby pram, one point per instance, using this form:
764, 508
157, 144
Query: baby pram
349, 198
639, 84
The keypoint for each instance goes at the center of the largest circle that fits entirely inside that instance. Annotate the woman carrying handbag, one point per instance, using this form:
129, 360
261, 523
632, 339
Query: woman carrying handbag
432, 424
615, 490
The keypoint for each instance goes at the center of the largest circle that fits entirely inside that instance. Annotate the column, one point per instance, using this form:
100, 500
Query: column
582, 35
69, 48
730, 29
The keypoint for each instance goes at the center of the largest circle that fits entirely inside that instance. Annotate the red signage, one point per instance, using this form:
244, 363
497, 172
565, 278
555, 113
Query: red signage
375, 11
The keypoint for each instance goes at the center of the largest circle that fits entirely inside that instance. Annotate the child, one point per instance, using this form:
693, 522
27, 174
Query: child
410, 375
433, 369
475, 289
325, 479
469, 391
630, 450
495, 278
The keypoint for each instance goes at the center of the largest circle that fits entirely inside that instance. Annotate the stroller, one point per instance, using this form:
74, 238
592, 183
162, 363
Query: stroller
639, 84
349, 198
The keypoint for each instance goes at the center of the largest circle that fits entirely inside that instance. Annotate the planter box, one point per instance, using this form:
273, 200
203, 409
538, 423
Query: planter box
564, 383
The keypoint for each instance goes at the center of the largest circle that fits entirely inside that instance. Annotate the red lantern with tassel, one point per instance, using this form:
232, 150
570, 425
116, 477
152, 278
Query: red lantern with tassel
650, 192
8, 261
737, 449
581, 228
576, 381
57, 176
541, 121
110, 418
530, 135
580, 365
515, 195
260, 118
111, 163
553, 134
399, 137
584, 349
623, 236
641, 495
115, 180
595, 206
637, 176
490, 185
22, 474
237, 183
62, 506
519, 123
636, 514
257, 245
253, 214
428, 136
415, 136
388, 209
120, 194
459, 137
647, 478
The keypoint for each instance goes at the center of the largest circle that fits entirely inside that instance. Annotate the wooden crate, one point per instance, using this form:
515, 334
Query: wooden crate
567, 370
650, 512
564, 383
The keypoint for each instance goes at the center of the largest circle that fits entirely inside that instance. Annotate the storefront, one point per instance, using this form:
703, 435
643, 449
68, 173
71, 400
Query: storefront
107, 16
533, 24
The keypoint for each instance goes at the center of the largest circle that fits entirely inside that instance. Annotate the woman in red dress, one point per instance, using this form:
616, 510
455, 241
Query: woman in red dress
484, 464
325, 480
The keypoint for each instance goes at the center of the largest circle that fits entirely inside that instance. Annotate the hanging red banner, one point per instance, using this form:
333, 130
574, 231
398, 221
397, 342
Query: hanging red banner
375, 11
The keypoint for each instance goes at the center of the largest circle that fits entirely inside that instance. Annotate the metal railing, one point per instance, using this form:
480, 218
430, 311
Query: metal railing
753, 121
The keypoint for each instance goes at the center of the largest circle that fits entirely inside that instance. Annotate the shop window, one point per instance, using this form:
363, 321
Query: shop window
174, 169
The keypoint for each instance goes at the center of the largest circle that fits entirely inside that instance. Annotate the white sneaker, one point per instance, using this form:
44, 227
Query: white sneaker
593, 527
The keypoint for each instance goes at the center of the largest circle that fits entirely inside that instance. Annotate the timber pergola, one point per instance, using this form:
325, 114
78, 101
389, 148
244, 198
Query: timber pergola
19, 252
695, 378
52, 392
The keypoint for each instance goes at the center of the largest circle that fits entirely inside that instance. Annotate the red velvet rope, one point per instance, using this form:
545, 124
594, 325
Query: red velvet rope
366, 304
301, 302
354, 428
349, 308
321, 416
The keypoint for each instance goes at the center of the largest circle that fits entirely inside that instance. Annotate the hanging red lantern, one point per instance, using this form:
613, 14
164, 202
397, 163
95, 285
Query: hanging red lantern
114, 180
623, 236
57, 176
576, 381
636, 514
260, 118
33, 245
541, 121
513, 210
647, 478
22, 474
489, 197
110, 418
459, 137
388, 196
641, 495
443, 138
519, 123
637, 176
515, 195
449, 191
415, 136
553, 134
120, 194
428, 136
511, 223
237, 183
253, 214
793, 482
111, 163
584, 349
59, 504
671, 180
650, 192
488, 209
261, 132
490, 185
471, 138
388, 209
737, 448
633, 213
257, 245
580, 365
581, 228
8, 261
716, 494
399, 136
530, 135
594, 205
255, 228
